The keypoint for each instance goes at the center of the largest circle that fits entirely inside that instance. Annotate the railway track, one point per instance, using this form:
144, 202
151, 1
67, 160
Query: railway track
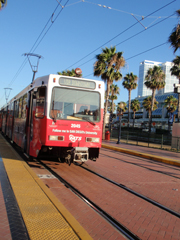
145, 167
135, 193
127, 233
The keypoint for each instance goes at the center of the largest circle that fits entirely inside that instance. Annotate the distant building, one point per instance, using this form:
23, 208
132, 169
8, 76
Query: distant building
160, 114
143, 91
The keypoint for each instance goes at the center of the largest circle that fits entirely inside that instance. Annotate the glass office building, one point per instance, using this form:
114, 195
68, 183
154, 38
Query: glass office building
160, 114
143, 91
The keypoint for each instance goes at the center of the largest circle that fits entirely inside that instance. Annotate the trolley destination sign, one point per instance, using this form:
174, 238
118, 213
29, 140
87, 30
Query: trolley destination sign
77, 83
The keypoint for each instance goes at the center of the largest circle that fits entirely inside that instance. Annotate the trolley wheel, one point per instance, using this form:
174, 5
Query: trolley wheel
31, 158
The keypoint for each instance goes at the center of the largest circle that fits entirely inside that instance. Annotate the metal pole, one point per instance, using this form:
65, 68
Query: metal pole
34, 72
137, 138
178, 144
162, 141
119, 135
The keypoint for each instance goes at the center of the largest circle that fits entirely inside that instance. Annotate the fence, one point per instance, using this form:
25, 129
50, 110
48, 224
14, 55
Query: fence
162, 141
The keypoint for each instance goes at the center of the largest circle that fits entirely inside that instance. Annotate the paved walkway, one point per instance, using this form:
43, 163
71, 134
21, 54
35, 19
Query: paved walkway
152, 153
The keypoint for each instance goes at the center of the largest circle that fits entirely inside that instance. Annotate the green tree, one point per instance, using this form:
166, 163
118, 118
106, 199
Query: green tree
71, 73
174, 38
175, 70
124, 109
3, 3
130, 83
135, 106
147, 104
108, 66
114, 90
155, 80
121, 110
171, 104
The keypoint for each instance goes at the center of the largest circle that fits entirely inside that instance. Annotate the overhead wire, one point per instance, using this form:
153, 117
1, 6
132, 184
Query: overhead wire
137, 54
50, 19
51, 24
114, 9
34, 47
131, 38
122, 33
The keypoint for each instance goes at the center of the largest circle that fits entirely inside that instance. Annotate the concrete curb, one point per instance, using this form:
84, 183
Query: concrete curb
139, 154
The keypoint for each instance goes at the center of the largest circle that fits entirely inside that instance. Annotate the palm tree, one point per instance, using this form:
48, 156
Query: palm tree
121, 110
175, 70
147, 104
110, 109
3, 3
155, 80
171, 105
174, 38
108, 66
114, 90
71, 73
135, 106
130, 83
124, 109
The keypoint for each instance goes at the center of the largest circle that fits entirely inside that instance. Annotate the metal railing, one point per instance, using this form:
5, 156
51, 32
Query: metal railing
162, 141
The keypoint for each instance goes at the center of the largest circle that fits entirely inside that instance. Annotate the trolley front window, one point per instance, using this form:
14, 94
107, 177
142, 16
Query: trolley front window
75, 104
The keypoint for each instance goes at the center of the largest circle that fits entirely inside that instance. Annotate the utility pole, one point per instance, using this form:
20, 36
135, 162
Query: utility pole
33, 67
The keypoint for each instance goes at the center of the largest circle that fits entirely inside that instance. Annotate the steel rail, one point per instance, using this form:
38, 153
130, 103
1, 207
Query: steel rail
121, 228
146, 160
136, 193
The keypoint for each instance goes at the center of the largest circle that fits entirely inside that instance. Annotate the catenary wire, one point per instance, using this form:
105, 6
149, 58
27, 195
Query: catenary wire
134, 55
131, 38
114, 9
122, 33
25, 61
33, 48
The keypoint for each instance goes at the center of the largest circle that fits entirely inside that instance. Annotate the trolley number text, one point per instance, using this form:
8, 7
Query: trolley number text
75, 125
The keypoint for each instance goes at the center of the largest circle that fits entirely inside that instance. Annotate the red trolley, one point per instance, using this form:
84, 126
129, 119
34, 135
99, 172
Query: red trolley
57, 116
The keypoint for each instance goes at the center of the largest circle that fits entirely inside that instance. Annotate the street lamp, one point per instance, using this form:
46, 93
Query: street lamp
120, 114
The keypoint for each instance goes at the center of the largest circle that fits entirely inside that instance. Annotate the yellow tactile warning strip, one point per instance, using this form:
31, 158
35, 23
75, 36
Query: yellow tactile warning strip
144, 155
44, 216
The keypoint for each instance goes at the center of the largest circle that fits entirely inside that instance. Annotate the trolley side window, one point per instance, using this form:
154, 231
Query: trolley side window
11, 109
40, 102
20, 108
24, 106
16, 109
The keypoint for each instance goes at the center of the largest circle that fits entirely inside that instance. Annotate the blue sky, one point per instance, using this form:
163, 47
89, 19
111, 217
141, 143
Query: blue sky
82, 28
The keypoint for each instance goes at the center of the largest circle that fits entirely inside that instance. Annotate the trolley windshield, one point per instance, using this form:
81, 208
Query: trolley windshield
75, 104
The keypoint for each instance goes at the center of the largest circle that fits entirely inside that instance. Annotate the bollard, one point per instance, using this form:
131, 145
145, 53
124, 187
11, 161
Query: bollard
107, 135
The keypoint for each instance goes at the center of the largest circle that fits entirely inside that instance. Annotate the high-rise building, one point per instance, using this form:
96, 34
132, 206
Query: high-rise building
169, 79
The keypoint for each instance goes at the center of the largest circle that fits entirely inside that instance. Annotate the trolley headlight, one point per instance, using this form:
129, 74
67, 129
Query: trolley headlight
96, 140
56, 138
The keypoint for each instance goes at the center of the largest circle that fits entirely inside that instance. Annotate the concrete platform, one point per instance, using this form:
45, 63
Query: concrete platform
28, 209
